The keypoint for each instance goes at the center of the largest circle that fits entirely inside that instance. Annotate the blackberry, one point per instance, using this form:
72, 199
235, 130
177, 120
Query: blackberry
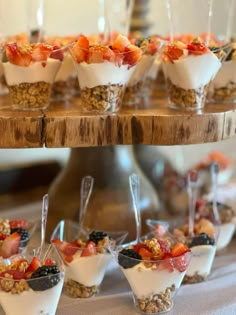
97, 236
202, 239
24, 236
47, 277
125, 258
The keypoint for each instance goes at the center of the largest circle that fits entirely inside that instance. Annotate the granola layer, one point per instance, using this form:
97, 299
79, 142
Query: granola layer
156, 303
76, 290
225, 94
186, 99
104, 98
30, 96
133, 92
196, 278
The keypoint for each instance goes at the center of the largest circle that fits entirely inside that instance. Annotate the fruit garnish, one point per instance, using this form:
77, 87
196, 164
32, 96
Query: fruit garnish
49, 262
16, 274
96, 236
179, 249
80, 49
41, 52
98, 53
172, 53
121, 43
20, 55
57, 53
145, 254
132, 55
128, 258
34, 265
89, 250
202, 239
10, 245
18, 224
47, 277
180, 263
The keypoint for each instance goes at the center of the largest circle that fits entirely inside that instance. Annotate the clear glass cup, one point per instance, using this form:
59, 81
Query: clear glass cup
153, 282
21, 294
85, 267
103, 80
30, 79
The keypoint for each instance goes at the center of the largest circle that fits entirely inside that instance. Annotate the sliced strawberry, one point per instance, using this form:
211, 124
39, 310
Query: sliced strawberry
197, 48
89, 250
132, 55
138, 246
41, 52
34, 265
165, 248
49, 262
173, 53
168, 263
80, 49
16, 274
145, 254
2, 236
120, 43
180, 263
179, 249
19, 55
67, 249
57, 53
10, 245
97, 54
18, 224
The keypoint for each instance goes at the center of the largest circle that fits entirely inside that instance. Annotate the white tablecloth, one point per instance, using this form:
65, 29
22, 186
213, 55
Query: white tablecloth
216, 296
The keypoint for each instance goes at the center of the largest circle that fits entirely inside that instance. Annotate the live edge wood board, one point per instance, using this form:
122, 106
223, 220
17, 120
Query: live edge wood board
66, 125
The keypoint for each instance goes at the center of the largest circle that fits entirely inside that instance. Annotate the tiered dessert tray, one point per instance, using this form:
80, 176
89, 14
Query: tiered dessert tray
66, 125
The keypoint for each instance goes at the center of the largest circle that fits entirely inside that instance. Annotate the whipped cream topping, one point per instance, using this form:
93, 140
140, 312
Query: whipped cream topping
146, 281
95, 74
191, 71
36, 72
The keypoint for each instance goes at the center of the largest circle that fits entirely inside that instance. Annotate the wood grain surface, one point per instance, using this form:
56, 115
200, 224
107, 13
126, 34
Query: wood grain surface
66, 125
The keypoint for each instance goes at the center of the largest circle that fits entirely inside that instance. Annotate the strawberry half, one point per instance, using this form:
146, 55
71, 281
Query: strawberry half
197, 48
132, 55
19, 55
18, 224
10, 245
98, 54
80, 49
89, 250
34, 265
120, 43
16, 274
145, 254
41, 52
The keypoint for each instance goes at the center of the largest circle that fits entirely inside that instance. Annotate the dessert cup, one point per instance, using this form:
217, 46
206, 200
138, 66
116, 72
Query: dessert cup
103, 72
26, 290
153, 282
30, 76
189, 69
85, 261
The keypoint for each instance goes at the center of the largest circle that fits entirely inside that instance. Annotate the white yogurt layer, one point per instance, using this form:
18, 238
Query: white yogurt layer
202, 260
146, 281
141, 70
95, 74
88, 270
155, 67
226, 232
192, 72
226, 74
36, 72
67, 69
31, 302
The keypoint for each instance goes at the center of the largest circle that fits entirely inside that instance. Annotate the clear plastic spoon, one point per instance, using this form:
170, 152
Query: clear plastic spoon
85, 193
134, 185
107, 24
214, 182
192, 189
43, 224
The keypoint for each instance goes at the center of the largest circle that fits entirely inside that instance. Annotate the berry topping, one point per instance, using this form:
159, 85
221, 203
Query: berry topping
202, 239
18, 224
128, 258
179, 249
47, 277
90, 249
24, 235
97, 236
10, 245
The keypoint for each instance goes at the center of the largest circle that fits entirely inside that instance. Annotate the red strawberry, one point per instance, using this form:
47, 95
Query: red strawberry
89, 250
34, 265
165, 249
57, 53
41, 52
80, 49
120, 43
10, 245
179, 249
132, 55
197, 48
97, 54
168, 263
180, 263
173, 53
2, 236
67, 249
19, 55
145, 254
18, 224
138, 246
16, 274
48, 262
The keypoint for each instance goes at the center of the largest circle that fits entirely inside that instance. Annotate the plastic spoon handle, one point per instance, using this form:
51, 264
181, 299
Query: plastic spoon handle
192, 197
43, 223
85, 193
107, 25
214, 182
134, 185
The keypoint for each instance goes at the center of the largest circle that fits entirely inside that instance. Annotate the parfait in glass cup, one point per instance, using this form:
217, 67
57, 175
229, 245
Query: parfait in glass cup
104, 71
189, 69
29, 285
30, 70
135, 89
154, 269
